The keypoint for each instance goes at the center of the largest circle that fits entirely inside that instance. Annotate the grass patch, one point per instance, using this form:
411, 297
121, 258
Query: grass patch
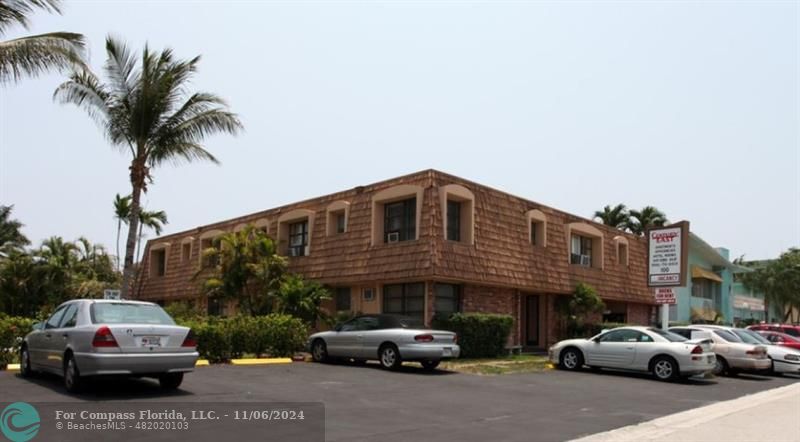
497, 366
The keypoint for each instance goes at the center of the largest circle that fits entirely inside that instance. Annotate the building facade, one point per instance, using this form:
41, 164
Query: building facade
429, 243
708, 295
750, 305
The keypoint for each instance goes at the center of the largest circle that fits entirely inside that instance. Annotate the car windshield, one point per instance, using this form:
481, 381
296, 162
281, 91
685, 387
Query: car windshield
728, 336
668, 335
751, 337
127, 313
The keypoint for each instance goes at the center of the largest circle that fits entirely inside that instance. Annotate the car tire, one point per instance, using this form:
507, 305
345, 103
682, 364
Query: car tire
73, 381
170, 381
25, 369
389, 357
571, 359
720, 367
319, 351
430, 365
665, 368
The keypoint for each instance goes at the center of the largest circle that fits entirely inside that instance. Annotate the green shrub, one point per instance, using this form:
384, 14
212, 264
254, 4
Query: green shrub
223, 339
480, 335
12, 330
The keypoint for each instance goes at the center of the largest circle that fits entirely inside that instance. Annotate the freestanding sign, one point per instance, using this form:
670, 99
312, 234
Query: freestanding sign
668, 253
665, 295
667, 259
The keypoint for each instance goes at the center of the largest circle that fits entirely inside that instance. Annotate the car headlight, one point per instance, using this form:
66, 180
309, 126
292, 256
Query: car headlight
791, 357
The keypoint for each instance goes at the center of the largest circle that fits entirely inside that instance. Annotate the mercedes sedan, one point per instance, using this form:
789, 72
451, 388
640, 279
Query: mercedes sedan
390, 339
647, 349
91, 337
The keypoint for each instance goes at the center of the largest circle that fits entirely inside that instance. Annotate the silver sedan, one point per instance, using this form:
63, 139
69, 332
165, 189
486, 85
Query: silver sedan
88, 337
390, 339
664, 354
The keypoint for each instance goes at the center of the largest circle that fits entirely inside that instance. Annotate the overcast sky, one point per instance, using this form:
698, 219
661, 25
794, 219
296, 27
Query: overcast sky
691, 107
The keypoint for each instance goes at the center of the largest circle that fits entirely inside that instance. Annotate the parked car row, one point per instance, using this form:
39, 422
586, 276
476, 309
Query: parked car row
679, 351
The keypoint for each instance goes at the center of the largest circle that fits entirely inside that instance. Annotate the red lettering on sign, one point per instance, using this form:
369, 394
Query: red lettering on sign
664, 236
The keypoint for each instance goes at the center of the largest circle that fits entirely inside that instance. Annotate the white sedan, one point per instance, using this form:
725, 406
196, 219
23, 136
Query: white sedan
784, 359
666, 355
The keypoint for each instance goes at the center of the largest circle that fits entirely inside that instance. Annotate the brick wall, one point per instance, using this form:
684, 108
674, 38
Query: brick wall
482, 299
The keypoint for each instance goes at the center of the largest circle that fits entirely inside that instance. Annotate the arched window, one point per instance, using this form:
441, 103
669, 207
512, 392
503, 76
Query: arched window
621, 247
209, 239
458, 213
337, 216
585, 245
396, 214
537, 228
295, 230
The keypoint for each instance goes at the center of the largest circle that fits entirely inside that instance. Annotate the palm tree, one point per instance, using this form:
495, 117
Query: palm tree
143, 110
122, 211
152, 220
10, 230
648, 217
35, 54
616, 217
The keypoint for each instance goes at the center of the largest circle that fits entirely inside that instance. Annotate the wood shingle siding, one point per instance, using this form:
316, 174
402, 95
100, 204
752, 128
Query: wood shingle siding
501, 255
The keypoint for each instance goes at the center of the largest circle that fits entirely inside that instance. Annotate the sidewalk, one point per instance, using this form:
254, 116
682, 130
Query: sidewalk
772, 415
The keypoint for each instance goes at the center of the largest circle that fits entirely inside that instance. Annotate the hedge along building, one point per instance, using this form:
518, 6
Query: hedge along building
429, 243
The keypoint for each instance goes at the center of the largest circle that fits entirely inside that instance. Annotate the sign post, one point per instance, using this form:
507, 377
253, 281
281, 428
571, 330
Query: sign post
667, 258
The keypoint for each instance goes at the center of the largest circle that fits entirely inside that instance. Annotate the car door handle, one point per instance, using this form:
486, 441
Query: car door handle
48, 335
628, 348
65, 335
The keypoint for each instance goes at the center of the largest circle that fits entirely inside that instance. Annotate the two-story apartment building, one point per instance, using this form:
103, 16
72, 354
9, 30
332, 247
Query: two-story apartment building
430, 243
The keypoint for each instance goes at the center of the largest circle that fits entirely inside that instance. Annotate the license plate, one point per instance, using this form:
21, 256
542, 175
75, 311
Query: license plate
447, 351
151, 341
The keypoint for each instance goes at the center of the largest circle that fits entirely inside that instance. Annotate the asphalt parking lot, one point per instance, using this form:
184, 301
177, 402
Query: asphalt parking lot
367, 403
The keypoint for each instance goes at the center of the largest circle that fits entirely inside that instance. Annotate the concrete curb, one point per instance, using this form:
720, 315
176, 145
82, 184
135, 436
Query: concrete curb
261, 361
662, 427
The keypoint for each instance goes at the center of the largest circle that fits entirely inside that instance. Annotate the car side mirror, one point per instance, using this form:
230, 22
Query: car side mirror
338, 327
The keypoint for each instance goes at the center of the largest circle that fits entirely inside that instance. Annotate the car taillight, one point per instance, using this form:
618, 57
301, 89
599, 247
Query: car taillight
104, 338
455, 339
697, 350
424, 338
755, 351
189, 341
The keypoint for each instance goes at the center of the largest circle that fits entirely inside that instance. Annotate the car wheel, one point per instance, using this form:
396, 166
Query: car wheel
665, 369
720, 366
25, 369
390, 357
319, 351
170, 381
72, 376
571, 359
429, 365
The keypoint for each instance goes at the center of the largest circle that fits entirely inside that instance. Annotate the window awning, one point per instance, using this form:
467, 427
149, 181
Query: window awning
699, 272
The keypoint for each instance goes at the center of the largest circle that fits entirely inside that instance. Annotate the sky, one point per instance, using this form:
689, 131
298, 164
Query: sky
692, 107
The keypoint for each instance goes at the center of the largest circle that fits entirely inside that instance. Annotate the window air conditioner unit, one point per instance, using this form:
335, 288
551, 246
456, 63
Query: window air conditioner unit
586, 260
393, 237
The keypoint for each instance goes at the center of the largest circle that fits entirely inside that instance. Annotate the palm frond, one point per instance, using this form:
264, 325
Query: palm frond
17, 11
34, 55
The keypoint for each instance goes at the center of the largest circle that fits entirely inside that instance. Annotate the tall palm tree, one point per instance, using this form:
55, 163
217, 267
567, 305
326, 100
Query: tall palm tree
35, 54
648, 217
144, 110
122, 211
154, 220
616, 217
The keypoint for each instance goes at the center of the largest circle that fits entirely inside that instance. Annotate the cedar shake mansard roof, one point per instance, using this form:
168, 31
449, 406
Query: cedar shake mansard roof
501, 253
